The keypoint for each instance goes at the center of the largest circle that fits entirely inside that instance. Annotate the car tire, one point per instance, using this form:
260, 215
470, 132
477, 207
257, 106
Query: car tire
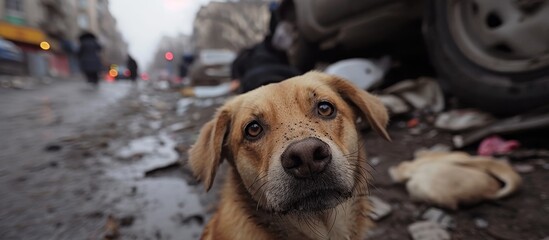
493, 90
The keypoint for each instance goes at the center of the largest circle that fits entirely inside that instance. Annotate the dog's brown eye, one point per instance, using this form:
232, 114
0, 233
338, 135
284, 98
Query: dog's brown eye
325, 109
253, 129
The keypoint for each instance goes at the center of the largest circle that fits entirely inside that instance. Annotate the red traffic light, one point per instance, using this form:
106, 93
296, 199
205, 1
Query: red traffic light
168, 56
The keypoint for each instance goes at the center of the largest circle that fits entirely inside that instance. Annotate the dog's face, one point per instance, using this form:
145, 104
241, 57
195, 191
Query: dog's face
294, 144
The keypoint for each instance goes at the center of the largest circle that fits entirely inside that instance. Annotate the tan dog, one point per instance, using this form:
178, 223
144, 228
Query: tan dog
298, 169
450, 178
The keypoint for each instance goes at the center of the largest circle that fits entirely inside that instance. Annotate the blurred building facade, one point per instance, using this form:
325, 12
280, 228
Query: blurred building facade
29, 23
230, 25
179, 46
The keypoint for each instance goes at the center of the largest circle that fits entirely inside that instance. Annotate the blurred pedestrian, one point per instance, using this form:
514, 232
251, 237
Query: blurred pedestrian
88, 57
132, 66
262, 63
186, 62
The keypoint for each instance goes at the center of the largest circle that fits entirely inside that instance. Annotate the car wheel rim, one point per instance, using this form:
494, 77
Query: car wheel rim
502, 35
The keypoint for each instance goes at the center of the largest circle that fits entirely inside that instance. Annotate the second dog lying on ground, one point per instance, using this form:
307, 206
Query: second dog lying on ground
449, 179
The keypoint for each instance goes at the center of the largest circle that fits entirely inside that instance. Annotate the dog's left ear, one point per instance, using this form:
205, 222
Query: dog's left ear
370, 106
207, 152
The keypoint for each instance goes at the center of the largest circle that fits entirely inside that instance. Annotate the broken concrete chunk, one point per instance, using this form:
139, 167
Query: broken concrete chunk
481, 223
427, 230
380, 209
462, 119
394, 104
523, 168
374, 161
438, 216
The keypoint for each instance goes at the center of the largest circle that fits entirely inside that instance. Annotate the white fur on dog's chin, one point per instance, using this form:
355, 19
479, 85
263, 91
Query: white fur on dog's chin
278, 181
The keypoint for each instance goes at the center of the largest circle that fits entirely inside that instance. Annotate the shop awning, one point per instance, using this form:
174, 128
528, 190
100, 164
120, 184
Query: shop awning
21, 33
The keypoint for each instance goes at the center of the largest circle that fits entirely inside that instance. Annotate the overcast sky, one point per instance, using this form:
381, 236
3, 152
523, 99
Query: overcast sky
144, 22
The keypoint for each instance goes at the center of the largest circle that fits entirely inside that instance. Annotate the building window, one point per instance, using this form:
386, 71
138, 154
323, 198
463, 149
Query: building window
14, 5
14, 12
83, 21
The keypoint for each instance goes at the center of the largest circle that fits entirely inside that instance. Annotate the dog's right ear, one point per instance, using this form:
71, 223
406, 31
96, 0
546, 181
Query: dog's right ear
207, 152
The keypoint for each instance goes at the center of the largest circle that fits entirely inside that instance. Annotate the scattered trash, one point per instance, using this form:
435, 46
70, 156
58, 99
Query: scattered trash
160, 105
111, 228
422, 93
380, 209
523, 168
509, 125
431, 178
183, 105
525, 154
374, 161
481, 223
415, 131
431, 134
438, 216
462, 119
496, 145
177, 127
53, 148
440, 148
394, 104
412, 123
198, 219
364, 73
154, 171
155, 125
126, 221
209, 91
148, 153
427, 230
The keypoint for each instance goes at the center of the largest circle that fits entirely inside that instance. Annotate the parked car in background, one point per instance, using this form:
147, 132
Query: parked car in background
123, 73
12, 59
212, 67
492, 54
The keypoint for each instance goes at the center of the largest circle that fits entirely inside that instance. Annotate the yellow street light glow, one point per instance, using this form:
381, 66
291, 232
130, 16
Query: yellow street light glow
113, 73
44, 45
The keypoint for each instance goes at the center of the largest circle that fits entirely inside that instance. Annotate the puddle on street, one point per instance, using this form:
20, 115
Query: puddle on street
184, 104
144, 154
163, 208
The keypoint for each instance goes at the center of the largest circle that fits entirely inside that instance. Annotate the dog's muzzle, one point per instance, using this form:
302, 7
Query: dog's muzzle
311, 183
306, 158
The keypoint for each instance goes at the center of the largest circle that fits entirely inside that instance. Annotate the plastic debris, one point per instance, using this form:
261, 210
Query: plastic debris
210, 91
496, 145
380, 209
481, 223
438, 216
412, 123
422, 93
427, 230
462, 119
394, 104
510, 125
364, 73
523, 168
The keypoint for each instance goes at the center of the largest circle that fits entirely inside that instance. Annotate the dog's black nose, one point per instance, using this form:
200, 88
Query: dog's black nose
306, 158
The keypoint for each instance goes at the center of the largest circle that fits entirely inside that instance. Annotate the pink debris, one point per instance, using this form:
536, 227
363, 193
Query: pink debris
496, 145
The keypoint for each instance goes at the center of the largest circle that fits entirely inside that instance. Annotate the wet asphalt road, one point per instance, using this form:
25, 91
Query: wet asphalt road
40, 194
75, 163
